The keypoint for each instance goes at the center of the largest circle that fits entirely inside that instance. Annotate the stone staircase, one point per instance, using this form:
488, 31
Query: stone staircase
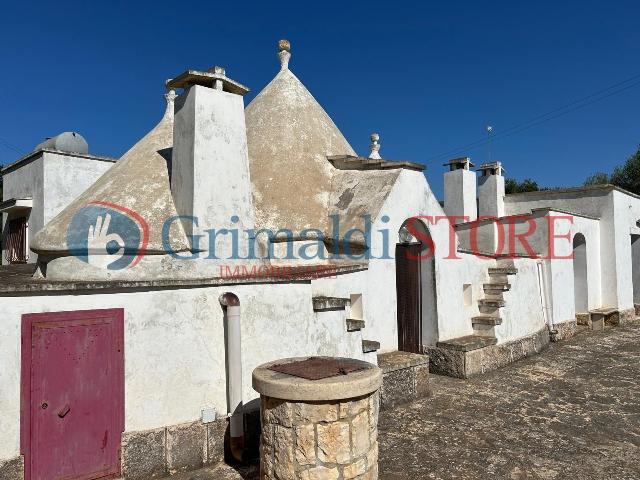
488, 319
459, 357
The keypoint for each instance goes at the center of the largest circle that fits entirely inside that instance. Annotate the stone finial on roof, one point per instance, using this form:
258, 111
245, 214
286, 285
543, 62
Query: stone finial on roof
375, 147
284, 49
170, 98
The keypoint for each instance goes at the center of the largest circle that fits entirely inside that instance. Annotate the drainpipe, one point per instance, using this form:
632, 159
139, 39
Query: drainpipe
231, 304
544, 290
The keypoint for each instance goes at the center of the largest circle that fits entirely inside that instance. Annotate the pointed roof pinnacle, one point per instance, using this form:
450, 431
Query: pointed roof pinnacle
284, 49
375, 147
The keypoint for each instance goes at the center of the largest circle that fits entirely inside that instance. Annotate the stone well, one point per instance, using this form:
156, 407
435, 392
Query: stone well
319, 428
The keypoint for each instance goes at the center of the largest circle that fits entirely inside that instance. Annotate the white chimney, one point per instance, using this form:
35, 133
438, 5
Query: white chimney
460, 190
210, 163
491, 190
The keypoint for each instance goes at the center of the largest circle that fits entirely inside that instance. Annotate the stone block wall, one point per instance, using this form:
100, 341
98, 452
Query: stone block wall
563, 331
405, 377
465, 364
12, 469
165, 451
626, 316
319, 440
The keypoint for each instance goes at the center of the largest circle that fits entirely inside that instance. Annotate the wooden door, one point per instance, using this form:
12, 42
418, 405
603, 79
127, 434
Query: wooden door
72, 394
16, 242
409, 298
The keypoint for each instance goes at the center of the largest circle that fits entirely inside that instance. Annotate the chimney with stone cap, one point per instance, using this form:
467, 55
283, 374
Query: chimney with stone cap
460, 190
210, 164
491, 190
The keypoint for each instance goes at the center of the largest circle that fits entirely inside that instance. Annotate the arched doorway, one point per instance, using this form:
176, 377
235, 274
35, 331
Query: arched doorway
580, 285
417, 318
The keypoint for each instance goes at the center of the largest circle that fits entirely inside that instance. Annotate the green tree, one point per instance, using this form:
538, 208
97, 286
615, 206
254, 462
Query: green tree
625, 176
511, 185
599, 178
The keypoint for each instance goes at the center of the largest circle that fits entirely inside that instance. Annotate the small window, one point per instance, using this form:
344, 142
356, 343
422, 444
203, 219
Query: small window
467, 295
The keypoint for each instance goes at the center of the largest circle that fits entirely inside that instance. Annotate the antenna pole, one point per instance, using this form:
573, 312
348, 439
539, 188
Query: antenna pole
489, 131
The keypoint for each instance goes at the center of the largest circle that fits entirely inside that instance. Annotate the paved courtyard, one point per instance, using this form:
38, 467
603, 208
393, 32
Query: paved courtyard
572, 412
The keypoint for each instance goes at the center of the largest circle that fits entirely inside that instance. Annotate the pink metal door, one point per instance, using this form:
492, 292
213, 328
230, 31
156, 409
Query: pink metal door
72, 394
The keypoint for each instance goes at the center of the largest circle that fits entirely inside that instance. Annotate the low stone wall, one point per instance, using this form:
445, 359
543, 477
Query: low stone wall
563, 331
465, 364
178, 448
405, 377
626, 316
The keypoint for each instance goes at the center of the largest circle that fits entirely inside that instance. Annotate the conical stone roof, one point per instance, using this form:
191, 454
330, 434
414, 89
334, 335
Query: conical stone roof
289, 137
139, 181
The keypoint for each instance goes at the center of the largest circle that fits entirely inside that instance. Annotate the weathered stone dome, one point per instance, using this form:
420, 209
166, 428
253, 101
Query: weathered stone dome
289, 137
139, 181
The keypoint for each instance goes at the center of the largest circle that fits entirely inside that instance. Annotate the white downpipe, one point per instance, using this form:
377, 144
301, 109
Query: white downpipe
544, 290
234, 367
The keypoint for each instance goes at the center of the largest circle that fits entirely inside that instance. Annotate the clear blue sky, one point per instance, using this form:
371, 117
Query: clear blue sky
429, 76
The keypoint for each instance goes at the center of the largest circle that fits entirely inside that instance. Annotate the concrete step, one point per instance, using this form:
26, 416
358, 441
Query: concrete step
354, 325
370, 346
467, 343
486, 320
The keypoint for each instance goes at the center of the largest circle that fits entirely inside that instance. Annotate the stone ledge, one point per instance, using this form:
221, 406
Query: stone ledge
392, 361
354, 325
486, 320
369, 346
465, 364
405, 378
467, 343
324, 304
503, 270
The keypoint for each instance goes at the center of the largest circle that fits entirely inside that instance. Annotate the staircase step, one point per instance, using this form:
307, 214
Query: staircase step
486, 320
324, 304
497, 286
503, 270
354, 325
468, 343
491, 302
370, 346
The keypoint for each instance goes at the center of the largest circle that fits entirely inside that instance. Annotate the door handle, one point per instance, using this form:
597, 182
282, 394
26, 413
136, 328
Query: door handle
66, 409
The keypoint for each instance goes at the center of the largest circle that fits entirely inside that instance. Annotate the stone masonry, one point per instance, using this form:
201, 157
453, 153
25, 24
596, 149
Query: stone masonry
320, 440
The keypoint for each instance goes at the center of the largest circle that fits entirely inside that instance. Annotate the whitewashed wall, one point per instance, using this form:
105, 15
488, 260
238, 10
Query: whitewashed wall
25, 181
627, 214
174, 347
522, 314
67, 176
53, 180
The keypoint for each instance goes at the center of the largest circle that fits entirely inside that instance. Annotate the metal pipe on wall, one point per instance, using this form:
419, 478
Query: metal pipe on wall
231, 303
